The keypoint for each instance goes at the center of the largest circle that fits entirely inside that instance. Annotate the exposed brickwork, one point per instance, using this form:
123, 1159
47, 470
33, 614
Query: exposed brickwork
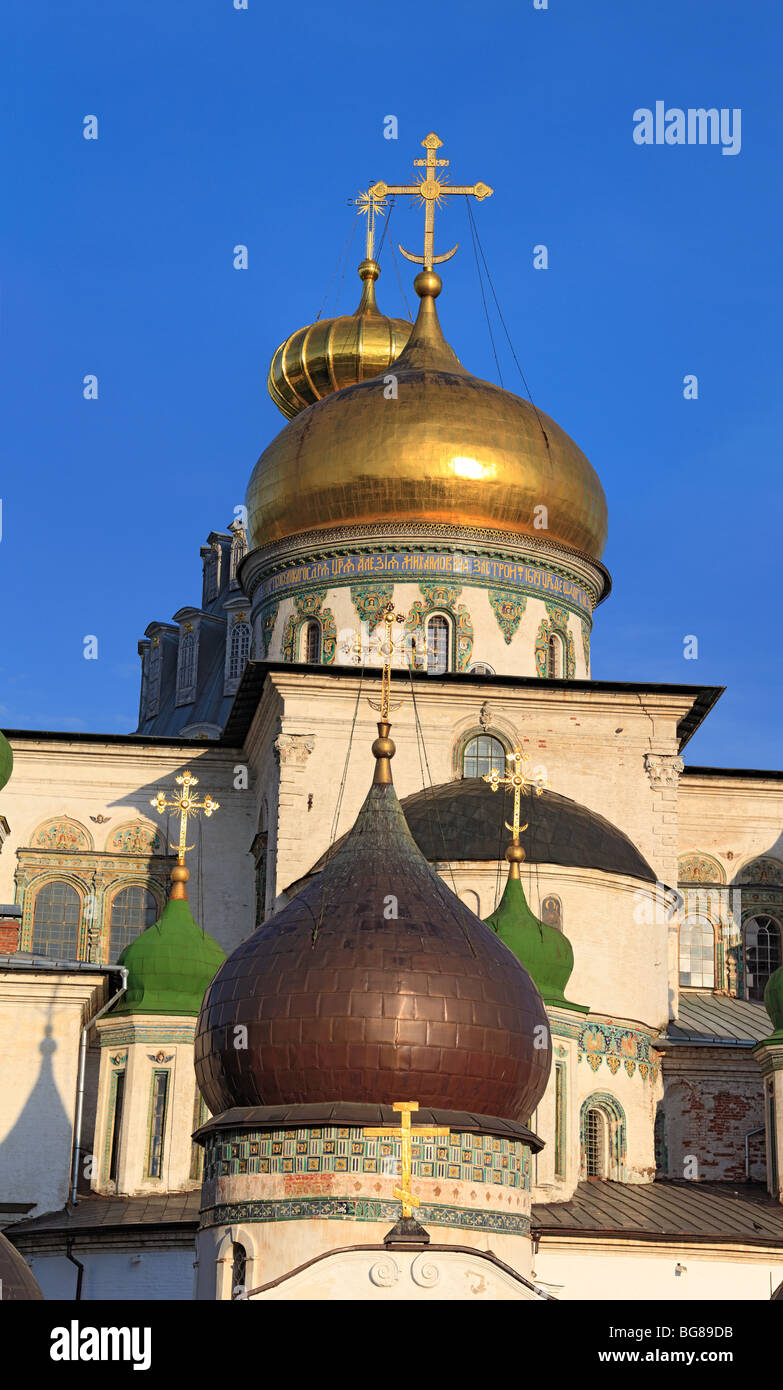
9, 935
712, 1102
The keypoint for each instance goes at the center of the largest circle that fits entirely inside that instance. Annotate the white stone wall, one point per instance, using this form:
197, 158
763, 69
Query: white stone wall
126, 1275
734, 819
41, 1018
117, 779
611, 1271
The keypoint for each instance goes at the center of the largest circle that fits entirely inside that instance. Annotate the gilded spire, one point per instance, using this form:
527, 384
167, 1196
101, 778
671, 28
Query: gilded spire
186, 804
383, 748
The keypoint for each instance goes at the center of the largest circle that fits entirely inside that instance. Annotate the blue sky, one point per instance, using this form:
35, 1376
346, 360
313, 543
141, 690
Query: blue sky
219, 127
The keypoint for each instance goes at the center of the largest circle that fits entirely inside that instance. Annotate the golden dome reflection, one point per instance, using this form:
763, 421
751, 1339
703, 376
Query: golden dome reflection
441, 446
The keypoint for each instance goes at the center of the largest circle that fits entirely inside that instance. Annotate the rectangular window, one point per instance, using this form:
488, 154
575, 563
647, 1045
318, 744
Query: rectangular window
197, 1153
560, 1120
158, 1108
772, 1140
116, 1124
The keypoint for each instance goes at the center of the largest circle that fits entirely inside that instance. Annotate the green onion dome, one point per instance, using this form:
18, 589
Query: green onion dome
6, 760
545, 952
170, 964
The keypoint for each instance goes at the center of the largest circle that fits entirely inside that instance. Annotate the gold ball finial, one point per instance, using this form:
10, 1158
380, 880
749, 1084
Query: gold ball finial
369, 270
179, 877
428, 283
515, 854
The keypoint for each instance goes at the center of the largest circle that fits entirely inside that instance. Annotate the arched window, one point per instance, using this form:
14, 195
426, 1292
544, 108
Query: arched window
554, 656
480, 668
482, 754
437, 644
762, 953
595, 1144
470, 898
238, 1269
312, 643
697, 952
603, 1137
187, 652
239, 650
132, 909
56, 916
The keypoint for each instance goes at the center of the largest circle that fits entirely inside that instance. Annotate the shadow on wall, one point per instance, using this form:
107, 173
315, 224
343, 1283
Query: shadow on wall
35, 1153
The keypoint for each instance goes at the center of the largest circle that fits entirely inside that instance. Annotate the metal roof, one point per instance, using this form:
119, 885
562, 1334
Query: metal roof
110, 1213
743, 1214
464, 820
707, 1017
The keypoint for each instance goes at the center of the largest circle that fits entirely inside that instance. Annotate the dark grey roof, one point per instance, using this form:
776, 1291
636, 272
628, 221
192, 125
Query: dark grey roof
357, 1115
704, 1016
770, 774
464, 820
255, 673
740, 1213
107, 1213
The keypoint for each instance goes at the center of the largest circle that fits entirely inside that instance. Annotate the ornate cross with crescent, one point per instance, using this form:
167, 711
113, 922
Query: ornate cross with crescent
186, 804
431, 190
516, 781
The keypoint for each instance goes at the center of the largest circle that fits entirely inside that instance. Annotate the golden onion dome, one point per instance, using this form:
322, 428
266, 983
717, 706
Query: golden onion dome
332, 353
444, 447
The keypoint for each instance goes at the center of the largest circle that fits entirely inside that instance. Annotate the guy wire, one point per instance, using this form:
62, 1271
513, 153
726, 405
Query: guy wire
447, 861
505, 329
481, 287
335, 820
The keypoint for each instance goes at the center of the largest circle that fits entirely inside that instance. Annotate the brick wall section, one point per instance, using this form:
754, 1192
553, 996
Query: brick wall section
713, 1098
9, 935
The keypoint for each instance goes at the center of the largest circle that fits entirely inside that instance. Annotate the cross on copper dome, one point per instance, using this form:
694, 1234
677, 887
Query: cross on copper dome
375, 983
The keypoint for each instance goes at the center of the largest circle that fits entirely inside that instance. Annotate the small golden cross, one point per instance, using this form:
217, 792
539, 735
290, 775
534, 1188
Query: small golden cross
187, 805
405, 1134
430, 190
370, 206
516, 779
386, 648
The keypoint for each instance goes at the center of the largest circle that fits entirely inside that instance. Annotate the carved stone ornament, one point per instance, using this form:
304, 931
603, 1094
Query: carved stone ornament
663, 769
425, 1272
385, 1272
294, 748
486, 715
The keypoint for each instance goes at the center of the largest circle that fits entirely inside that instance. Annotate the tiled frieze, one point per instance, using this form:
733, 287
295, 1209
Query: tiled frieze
467, 1157
364, 1209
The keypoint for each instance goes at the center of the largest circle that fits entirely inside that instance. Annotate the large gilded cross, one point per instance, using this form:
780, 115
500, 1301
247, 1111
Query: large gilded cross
386, 648
517, 781
405, 1134
187, 805
431, 191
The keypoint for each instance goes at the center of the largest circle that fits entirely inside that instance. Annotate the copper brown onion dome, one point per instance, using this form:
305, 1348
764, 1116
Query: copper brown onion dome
441, 446
374, 984
332, 353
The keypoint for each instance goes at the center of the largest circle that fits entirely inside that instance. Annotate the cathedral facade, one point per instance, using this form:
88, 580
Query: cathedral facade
587, 1055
